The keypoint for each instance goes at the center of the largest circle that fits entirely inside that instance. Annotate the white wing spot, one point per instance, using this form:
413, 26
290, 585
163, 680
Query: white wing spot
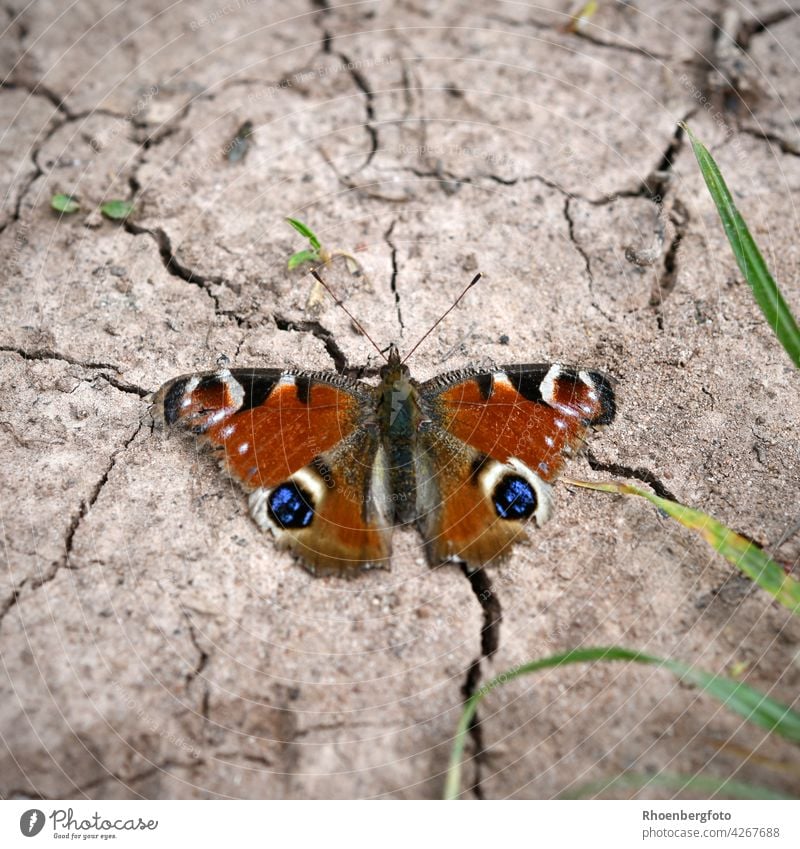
547, 387
589, 382
244, 448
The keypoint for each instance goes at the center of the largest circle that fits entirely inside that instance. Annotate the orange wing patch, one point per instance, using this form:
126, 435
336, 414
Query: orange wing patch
264, 442
507, 425
503, 423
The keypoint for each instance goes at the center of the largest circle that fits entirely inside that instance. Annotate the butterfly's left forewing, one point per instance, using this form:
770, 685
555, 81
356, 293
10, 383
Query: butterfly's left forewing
302, 445
490, 445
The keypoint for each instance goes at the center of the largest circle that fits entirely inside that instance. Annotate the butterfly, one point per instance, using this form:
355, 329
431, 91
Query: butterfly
332, 464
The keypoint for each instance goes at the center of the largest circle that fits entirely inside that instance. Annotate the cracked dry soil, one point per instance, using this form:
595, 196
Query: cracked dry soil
154, 642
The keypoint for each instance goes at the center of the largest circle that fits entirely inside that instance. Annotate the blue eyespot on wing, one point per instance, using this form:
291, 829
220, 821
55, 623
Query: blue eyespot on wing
514, 498
290, 506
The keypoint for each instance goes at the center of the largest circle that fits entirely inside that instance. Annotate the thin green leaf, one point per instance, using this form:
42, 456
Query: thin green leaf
765, 290
748, 702
305, 230
300, 257
117, 209
64, 204
736, 549
697, 785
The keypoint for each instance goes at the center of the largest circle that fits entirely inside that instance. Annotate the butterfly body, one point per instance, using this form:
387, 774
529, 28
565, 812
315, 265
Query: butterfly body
399, 420
333, 464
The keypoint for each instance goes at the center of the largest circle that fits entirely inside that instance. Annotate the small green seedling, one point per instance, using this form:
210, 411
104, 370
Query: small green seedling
317, 252
64, 204
117, 210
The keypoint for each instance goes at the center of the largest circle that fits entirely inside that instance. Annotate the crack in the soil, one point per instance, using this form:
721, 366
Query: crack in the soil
27, 185
369, 126
578, 246
69, 538
176, 268
468, 689
771, 138
38, 89
12, 599
679, 218
365, 189
387, 236
199, 668
130, 388
484, 592
449, 182
68, 117
320, 332
490, 605
16, 17
48, 354
731, 76
638, 473
335, 726
655, 187
358, 78
127, 780
756, 25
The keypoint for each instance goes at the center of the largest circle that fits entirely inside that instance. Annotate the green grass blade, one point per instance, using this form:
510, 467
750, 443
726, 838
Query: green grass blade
765, 289
741, 698
697, 785
305, 230
300, 257
741, 552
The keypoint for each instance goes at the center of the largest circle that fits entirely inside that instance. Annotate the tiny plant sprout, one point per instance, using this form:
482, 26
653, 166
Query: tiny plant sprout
64, 204
317, 252
117, 210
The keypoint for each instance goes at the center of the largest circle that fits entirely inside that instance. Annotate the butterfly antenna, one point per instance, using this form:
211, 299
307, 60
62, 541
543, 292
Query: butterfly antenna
444, 315
339, 303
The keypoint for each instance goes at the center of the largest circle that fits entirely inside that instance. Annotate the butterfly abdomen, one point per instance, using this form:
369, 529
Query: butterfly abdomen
398, 414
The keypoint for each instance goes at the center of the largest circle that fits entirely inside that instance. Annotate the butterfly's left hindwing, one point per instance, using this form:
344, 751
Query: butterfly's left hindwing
303, 446
491, 444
